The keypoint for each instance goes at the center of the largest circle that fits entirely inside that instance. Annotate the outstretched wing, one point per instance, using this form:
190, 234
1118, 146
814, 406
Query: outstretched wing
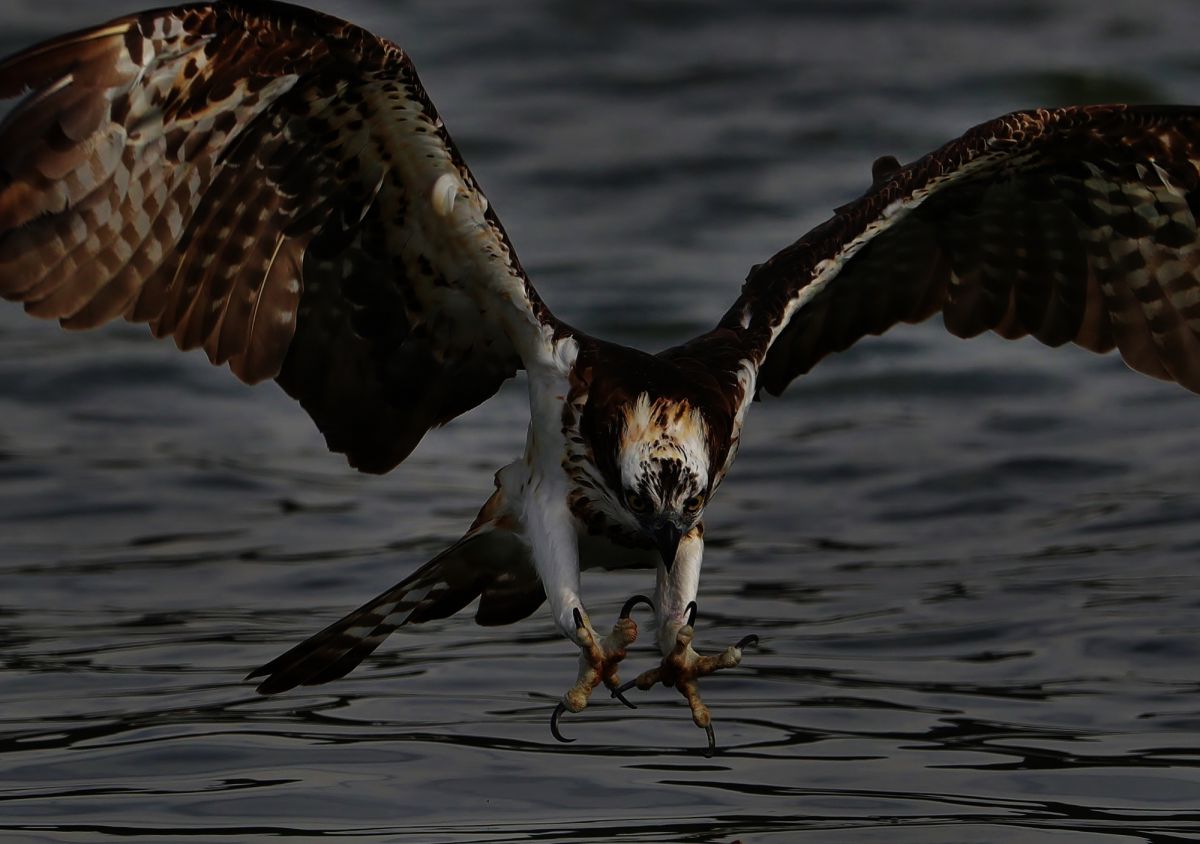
272, 185
1071, 225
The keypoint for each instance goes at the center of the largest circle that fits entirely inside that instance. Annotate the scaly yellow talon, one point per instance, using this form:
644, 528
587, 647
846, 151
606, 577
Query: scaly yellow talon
598, 663
683, 667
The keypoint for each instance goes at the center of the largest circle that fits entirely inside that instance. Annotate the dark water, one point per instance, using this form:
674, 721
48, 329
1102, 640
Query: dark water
973, 565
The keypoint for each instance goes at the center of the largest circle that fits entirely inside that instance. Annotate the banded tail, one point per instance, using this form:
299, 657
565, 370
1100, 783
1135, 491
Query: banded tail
489, 563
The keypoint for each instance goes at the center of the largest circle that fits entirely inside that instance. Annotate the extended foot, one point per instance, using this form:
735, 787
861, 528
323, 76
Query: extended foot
598, 661
683, 667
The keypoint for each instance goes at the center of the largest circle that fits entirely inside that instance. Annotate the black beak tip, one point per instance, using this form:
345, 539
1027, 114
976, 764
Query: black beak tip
667, 538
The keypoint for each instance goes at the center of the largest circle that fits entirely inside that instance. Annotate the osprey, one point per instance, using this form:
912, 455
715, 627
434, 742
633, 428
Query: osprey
274, 186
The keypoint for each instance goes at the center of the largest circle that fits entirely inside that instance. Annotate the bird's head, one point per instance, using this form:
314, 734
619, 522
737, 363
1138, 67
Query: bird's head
663, 464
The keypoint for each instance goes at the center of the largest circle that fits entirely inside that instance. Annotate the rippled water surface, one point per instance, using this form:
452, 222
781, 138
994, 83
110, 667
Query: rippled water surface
973, 565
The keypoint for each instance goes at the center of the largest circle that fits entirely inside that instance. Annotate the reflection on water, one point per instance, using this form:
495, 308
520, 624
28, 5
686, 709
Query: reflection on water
972, 565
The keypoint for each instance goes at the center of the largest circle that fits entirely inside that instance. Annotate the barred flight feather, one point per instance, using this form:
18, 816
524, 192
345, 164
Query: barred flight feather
1070, 225
254, 179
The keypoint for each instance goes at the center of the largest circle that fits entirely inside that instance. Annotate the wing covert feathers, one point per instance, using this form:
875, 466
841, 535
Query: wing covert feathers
1070, 225
256, 179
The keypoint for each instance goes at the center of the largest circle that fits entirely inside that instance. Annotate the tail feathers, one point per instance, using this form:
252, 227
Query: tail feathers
489, 560
327, 655
438, 589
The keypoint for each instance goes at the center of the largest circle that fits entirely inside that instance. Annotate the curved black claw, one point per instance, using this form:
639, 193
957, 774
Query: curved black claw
633, 602
691, 614
623, 699
619, 694
747, 641
578, 618
712, 742
624, 687
558, 711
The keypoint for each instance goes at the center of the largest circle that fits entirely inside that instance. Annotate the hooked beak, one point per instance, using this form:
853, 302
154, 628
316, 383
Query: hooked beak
667, 536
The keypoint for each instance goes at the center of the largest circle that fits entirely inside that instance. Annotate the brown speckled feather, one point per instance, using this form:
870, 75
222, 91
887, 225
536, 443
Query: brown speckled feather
271, 185
1069, 225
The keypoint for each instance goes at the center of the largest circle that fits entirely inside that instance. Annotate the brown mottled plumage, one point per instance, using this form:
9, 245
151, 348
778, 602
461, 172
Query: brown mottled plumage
239, 176
1070, 225
274, 186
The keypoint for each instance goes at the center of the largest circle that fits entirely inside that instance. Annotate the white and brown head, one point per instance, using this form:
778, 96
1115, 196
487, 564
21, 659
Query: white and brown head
663, 467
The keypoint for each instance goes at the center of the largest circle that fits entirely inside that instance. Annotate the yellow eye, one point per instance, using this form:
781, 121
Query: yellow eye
637, 503
693, 504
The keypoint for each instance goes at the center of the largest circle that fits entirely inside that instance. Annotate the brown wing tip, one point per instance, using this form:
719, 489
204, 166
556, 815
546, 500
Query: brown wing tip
37, 66
42, 63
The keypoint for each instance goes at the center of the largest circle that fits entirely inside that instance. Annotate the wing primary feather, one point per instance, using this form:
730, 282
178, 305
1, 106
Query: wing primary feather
325, 135
1066, 224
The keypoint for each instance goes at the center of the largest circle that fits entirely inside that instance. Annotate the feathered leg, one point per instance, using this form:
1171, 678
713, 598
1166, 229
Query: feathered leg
682, 666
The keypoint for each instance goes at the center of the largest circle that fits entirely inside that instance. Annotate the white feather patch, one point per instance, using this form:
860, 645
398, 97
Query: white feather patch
445, 191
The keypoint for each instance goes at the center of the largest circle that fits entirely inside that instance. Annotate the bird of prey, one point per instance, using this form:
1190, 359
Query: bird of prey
274, 186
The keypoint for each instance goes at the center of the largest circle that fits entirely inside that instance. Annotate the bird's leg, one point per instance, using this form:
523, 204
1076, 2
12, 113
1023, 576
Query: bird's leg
555, 551
598, 661
682, 666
